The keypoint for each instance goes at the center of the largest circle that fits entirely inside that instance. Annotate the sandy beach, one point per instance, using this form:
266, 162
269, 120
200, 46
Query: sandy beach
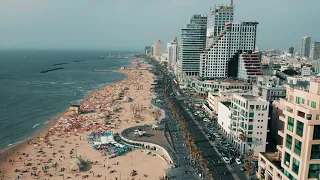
65, 150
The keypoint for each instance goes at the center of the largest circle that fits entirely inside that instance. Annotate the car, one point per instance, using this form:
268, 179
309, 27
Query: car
238, 161
206, 120
226, 160
208, 135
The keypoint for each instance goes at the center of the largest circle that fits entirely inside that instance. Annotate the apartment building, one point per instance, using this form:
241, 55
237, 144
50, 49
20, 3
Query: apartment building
298, 156
215, 97
269, 88
249, 116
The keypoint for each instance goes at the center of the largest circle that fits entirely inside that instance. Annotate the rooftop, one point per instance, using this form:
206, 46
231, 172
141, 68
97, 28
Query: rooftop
273, 157
250, 97
227, 81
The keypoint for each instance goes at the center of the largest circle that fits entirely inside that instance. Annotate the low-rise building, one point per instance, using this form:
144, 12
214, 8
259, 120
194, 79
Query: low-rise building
224, 120
215, 97
298, 156
203, 87
269, 88
248, 122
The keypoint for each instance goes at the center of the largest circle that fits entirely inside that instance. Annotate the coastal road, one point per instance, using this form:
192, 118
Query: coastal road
218, 169
183, 171
213, 156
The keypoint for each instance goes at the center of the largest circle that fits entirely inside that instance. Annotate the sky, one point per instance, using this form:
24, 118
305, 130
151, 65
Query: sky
132, 24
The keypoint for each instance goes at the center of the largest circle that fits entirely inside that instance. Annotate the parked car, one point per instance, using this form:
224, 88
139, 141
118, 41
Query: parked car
238, 161
226, 160
206, 120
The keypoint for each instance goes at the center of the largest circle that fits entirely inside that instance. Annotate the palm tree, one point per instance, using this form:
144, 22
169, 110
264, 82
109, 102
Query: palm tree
242, 137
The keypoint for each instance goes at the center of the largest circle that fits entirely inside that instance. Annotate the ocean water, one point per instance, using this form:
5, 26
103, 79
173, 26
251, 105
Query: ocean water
28, 98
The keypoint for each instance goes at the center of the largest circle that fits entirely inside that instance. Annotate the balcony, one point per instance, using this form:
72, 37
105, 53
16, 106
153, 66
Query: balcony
280, 148
289, 109
301, 114
282, 118
281, 133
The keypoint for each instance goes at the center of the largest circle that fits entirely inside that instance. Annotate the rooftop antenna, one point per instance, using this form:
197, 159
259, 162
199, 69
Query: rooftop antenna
231, 3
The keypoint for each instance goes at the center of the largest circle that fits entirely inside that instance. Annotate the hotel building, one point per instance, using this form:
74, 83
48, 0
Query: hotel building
217, 19
225, 49
298, 156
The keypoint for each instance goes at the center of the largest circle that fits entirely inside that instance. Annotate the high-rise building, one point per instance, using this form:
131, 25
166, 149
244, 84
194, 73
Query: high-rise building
305, 46
172, 49
291, 50
217, 19
159, 49
317, 68
148, 50
298, 156
193, 41
247, 115
315, 51
226, 47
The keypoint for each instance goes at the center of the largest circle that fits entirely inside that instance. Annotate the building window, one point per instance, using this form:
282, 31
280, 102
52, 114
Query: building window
288, 175
251, 115
250, 127
287, 158
299, 129
290, 123
295, 166
298, 100
297, 147
315, 151
289, 142
313, 104
316, 132
314, 170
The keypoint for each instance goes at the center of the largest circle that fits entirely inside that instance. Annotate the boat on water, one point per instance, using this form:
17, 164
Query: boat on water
103, 57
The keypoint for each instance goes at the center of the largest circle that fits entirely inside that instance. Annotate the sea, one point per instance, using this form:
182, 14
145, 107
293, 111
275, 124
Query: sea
29, 99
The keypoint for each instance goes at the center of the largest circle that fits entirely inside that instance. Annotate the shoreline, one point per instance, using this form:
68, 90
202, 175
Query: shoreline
68, 131
10, 150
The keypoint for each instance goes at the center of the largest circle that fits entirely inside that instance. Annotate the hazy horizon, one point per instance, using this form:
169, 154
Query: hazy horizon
130, 25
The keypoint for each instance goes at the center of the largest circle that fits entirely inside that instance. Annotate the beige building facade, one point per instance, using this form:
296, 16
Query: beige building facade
298, 157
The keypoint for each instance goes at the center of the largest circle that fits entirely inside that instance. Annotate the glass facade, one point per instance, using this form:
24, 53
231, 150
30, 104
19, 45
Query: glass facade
193, 42
313, 104
295, 166
289, 142
316, 132
299, 129
290, 123
315, 151
297, 147
314, 170
287, 158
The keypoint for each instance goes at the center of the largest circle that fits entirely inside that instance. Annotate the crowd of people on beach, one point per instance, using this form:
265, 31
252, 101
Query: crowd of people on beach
49, 154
